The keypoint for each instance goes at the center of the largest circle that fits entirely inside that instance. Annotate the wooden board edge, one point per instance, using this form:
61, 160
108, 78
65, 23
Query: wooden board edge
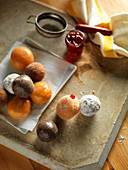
114, 133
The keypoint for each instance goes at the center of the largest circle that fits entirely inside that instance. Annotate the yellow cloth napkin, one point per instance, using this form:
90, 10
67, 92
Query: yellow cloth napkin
91, 12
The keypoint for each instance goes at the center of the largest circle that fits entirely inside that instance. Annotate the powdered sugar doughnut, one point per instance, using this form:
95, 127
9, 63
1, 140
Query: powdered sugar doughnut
8, 82
90, 104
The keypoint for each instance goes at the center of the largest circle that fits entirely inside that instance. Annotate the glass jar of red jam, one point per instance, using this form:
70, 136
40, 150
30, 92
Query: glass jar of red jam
75, 42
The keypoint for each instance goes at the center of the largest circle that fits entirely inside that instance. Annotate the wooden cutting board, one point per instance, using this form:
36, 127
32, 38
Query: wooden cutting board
82, 142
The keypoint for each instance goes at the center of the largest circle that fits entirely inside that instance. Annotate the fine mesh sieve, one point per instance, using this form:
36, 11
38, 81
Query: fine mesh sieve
49, 24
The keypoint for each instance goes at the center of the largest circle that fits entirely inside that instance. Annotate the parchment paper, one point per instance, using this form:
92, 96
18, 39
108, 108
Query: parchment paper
58, 72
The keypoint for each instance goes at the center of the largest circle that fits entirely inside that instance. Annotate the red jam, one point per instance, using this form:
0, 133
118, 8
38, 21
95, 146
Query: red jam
75, 43
72, 96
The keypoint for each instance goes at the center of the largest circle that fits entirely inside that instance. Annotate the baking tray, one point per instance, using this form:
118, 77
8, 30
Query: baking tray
57, 70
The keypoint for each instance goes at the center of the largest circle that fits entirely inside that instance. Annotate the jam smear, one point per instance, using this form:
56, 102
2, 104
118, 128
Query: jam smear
72, 96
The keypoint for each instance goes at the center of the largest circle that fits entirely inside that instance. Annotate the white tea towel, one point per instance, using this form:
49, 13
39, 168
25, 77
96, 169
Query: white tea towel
91, 12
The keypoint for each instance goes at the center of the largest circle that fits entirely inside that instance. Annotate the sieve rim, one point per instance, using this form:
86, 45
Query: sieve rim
53, 16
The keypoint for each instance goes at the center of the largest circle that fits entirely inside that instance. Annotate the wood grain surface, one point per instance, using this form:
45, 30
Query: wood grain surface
118, 156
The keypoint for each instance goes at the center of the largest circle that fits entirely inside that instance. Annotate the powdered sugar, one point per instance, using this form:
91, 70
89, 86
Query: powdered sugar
90, 104
8, 82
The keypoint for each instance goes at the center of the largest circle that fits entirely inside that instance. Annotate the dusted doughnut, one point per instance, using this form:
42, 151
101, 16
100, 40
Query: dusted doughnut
8, 82
35, 71
67, 107
90, 104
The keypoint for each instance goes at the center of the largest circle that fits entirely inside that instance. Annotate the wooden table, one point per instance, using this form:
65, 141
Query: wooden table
117, 157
